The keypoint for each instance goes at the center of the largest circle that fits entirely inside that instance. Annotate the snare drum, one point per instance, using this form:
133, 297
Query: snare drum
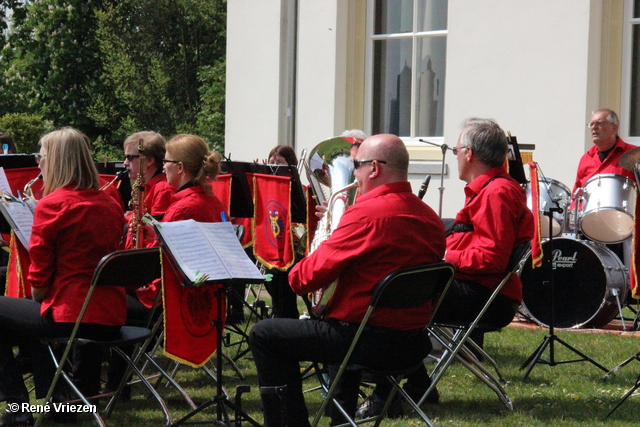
587, 277
551, 190
608, 207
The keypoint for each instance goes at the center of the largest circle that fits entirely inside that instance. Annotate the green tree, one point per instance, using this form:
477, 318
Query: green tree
25, 129
113, 67
152, 53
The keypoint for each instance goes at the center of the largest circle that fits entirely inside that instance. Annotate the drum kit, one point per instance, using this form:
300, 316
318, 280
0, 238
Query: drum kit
591, 241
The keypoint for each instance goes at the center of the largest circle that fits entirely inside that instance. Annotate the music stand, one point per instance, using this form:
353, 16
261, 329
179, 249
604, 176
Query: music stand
220, 399
551, 337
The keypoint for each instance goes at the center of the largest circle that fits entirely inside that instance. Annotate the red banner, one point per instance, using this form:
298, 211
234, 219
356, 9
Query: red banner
190, 314
635, 253
17, 269
273, 243
19, 177
222, 189
536, 242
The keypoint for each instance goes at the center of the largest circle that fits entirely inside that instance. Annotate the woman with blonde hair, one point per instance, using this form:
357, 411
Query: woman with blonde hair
65, 248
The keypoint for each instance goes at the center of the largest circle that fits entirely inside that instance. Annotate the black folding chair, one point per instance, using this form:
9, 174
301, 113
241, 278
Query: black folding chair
458, 344
402, 289
129, 269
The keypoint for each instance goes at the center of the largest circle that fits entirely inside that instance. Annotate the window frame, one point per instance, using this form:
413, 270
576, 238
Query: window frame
627, 63
371, 38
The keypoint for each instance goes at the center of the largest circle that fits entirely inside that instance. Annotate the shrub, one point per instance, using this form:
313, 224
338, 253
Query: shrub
25, 129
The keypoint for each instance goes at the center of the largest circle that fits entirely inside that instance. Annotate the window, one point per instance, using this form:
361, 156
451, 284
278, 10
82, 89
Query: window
630, 109
408, 63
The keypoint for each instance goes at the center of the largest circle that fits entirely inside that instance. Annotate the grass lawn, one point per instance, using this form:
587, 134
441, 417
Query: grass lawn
571, 394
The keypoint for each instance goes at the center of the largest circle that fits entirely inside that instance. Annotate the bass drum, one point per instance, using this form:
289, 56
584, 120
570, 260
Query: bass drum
587, 276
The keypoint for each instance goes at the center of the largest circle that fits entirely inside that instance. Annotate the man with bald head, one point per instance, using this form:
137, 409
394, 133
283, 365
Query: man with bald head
386, 229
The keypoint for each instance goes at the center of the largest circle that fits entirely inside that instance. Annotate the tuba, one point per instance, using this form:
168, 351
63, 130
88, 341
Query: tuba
330, 173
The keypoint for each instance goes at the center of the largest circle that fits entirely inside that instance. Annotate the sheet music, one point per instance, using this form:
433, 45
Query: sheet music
225, 241
4, 182
208, 248
20, 219
191, 251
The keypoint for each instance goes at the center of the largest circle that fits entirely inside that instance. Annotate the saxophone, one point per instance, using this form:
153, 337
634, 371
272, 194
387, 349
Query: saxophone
330, 172
137, 201
27, 193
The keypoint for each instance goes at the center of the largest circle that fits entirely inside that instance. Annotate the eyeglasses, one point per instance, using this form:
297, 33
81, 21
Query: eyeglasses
165, 161
131, 157
456, 150
39, 157
357, 163
597, 124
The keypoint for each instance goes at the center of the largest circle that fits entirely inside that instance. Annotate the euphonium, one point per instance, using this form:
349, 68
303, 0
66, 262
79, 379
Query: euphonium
137, 201
330, 172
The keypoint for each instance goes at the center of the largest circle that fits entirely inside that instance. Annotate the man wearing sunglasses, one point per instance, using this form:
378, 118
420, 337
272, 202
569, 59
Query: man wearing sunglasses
157, 193
387, 228
494, 220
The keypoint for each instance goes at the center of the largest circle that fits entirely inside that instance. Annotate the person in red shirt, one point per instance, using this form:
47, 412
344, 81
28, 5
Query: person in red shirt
188, 165
157, 192
65, 248
495, 219
607, 149
387, 228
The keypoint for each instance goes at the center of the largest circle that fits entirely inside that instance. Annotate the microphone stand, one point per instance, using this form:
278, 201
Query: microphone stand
444, 148
551, 337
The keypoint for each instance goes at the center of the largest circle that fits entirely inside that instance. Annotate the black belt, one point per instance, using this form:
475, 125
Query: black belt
462, 228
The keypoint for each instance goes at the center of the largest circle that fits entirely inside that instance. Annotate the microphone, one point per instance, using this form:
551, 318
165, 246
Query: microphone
424, 186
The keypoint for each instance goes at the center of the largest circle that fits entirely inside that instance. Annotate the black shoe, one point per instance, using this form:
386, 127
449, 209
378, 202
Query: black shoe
416, 394
62, 416
373, 405
14, 417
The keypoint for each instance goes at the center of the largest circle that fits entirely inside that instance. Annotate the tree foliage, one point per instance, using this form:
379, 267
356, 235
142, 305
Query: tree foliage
114, 67
26, 130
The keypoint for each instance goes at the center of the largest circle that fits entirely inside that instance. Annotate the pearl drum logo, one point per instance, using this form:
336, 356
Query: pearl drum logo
558, 260
277, 216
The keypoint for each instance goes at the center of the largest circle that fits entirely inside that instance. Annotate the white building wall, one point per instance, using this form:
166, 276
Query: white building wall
531, 65
253, 67
320, 88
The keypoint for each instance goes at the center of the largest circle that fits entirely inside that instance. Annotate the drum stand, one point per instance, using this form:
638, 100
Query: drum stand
551, 337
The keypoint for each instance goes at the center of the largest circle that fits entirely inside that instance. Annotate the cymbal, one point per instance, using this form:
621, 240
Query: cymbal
630, 159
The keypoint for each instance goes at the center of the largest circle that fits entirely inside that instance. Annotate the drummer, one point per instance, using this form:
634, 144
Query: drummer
608, 147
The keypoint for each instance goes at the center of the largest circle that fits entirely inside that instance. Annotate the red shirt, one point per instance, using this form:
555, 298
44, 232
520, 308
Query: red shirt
190, 203
591, 165
501, 220
386, 229
158, 194
72, 231
193, 203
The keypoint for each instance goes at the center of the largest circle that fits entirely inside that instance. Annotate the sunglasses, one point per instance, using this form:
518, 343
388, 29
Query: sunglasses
131, 157
165, 161
357, 163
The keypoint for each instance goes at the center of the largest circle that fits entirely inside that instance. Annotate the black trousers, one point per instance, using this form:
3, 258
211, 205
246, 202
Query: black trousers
284, 301
278, 345
21, 324
462, 303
